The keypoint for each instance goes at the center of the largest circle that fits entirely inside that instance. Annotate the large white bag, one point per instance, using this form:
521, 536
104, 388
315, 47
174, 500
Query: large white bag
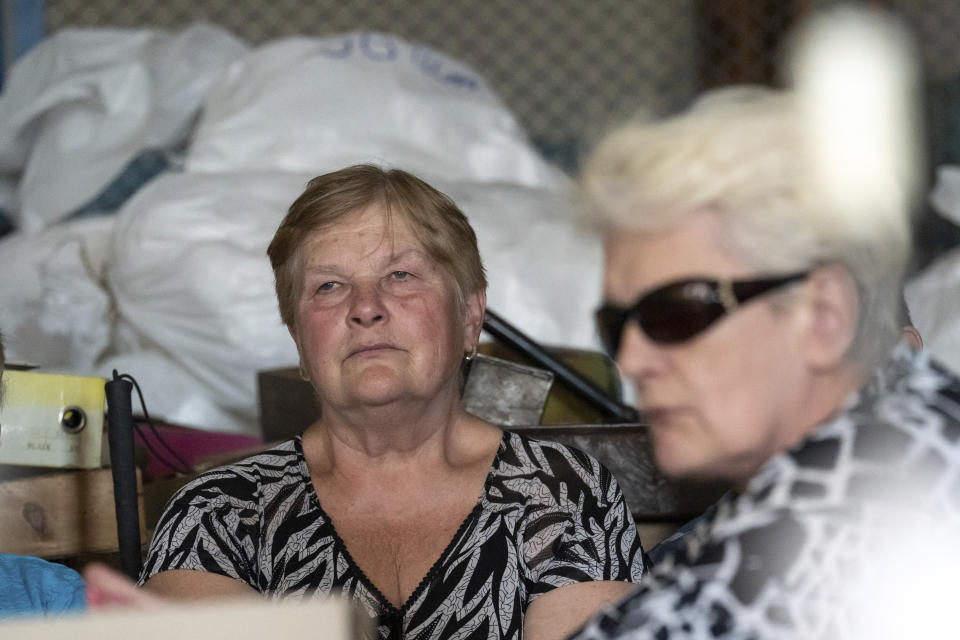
54, 310
320, 104
933, 297
544, 269
945, 197
83, 103
194, 293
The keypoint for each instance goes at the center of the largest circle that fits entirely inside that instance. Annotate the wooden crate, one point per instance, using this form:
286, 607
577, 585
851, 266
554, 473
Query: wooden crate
62, 514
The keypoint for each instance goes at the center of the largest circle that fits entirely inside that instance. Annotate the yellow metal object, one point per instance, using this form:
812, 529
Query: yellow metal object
51, 420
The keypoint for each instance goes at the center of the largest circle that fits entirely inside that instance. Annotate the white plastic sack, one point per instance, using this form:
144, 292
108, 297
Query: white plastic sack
933, 298
317, 105
945, 197
84, 102
54, 310
544, 270
197, 313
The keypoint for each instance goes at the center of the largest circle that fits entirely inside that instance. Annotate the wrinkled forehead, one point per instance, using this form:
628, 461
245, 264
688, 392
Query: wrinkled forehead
373, 229
696, 246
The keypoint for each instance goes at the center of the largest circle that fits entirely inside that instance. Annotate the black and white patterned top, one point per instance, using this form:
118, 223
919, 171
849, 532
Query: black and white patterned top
830, 539
549, 516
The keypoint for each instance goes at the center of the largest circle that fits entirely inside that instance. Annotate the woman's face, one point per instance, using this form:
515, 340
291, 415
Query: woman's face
719, 404
377, 320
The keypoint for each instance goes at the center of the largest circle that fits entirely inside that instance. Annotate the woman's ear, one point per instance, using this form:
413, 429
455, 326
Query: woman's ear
832, 313
910, 336
474, 307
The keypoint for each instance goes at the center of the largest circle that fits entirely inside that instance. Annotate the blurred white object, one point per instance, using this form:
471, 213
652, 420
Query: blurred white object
933, 298
945, 197
83, 103
320, 104
857, 81
237, 619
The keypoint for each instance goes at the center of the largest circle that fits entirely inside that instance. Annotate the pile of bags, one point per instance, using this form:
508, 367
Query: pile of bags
172, 283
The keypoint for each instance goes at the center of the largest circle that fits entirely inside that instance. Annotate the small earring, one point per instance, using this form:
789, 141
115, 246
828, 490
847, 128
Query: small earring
471, 354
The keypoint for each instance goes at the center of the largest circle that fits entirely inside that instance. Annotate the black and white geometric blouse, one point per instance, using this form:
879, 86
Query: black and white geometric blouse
841, 537
549, 516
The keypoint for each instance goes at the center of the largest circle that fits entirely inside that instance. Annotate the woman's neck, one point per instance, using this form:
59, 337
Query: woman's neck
822, 401
388, 440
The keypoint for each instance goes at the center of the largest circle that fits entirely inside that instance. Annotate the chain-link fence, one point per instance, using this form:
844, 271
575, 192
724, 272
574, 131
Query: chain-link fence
569, 68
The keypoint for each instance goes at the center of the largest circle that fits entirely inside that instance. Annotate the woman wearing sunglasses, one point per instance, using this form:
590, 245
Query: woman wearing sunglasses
759, 326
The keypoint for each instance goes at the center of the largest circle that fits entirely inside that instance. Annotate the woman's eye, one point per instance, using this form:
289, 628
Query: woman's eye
399, 275
326, 286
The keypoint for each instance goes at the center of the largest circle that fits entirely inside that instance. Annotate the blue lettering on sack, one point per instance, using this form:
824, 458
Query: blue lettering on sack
461, 80
378, 47
432, 65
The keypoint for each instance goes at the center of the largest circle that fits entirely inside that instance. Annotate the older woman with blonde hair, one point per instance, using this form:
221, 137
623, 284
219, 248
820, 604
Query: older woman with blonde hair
758, 320
437, 523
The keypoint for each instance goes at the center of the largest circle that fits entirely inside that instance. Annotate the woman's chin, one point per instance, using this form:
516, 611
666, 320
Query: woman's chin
378, 386
675, 456
377, 395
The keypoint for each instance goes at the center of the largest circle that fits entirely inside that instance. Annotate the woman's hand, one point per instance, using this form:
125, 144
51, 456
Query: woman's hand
109, 588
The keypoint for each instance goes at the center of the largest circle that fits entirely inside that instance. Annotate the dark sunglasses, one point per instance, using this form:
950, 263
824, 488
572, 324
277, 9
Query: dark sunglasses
679, 310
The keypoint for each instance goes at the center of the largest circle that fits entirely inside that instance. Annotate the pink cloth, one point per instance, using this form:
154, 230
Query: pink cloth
193, 445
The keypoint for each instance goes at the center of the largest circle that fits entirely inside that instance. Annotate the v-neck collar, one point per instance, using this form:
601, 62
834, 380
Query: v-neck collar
389, 611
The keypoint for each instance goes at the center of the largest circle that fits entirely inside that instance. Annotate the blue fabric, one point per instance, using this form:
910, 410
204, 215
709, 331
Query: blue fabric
33, 586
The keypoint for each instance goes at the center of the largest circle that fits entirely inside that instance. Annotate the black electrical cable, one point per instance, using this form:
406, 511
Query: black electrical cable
181, 466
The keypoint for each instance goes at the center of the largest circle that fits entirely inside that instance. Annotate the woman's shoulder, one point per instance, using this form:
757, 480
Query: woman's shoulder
544, 481
549, 461
248, 479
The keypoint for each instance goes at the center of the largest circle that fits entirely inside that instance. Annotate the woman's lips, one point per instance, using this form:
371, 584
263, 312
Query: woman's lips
371, 349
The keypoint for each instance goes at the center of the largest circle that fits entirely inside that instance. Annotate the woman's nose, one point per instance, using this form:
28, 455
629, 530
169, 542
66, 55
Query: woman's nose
639, 358
367, 306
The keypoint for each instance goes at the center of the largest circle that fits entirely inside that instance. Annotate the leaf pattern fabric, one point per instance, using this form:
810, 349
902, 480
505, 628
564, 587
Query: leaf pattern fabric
549, 516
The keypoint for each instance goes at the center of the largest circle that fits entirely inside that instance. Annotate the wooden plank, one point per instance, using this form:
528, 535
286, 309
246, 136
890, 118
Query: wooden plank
60, 514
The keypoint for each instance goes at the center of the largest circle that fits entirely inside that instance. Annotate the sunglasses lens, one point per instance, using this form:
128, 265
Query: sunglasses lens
679, 311
669, 326
610, 322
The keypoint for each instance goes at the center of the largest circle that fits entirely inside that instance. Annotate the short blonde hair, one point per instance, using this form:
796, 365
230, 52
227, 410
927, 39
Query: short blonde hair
744, 155
436, 222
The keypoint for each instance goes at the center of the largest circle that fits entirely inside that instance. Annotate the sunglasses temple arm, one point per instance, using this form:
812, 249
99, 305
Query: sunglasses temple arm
568, 377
